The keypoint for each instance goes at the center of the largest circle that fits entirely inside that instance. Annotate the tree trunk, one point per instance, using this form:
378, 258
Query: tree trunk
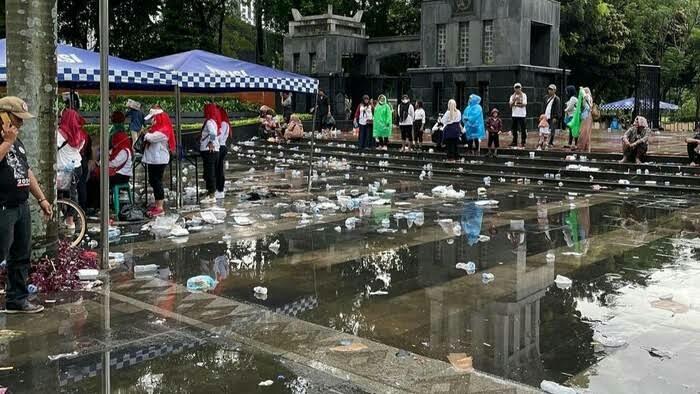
259, 33
31, 75
222, 11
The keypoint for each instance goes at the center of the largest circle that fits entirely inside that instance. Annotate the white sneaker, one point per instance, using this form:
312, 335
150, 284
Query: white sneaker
219, 195
208, 200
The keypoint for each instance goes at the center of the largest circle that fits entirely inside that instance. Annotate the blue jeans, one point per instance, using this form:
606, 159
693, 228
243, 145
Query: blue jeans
365, 136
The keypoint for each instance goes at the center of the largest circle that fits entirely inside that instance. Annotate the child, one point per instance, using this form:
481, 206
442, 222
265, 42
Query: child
544, 131
494, 126
418, 124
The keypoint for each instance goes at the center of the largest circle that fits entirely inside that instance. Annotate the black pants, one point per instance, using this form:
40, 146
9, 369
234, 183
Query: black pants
119, 179
519, 126
74, 192
638, 152
553, 123
383, 141
220, 177
451, 145
473, 144
692, 154
418, 131
572, 140
209, 160
365, 136
15, 246
493, 140
155, 179
82, 185
406, 132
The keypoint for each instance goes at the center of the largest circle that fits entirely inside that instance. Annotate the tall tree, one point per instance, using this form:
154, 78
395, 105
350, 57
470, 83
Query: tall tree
31, 75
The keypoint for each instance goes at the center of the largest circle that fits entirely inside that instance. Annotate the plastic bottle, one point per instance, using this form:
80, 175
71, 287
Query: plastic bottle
32, 289
487, 277
554, 388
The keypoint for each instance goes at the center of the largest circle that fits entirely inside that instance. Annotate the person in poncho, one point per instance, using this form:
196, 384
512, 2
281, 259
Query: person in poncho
581, 123
382, 123
473, 120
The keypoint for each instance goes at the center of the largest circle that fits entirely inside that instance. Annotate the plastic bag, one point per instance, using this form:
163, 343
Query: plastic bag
64, 179
201, 283
130, 213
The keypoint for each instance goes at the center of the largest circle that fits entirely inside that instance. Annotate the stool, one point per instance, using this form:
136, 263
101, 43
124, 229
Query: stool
116, 189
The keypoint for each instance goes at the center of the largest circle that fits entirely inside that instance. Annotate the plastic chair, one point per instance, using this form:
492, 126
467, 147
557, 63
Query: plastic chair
116, 189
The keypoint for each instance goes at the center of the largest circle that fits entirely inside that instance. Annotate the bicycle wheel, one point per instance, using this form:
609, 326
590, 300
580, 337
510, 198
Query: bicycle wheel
65, 210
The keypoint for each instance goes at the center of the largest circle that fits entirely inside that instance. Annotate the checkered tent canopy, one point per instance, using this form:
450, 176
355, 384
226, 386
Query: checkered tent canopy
81, 68
203, 71
628, 105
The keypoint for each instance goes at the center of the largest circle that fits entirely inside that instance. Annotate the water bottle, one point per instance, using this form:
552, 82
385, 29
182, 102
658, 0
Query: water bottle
471, 268
32, 289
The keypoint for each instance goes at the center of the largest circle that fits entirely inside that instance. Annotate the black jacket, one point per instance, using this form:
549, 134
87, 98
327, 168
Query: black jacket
556, 107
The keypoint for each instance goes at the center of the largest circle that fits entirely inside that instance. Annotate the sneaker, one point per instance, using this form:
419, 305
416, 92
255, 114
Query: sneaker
26, 308
155, 212
220, 195
208, 200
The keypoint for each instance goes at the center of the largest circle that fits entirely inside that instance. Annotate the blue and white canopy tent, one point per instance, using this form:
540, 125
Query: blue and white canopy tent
80, 68
628, 105
199, 71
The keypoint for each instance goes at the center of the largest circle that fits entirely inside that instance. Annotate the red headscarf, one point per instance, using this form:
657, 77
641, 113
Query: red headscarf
161, 123
211, 112
224, 115
120, 142
71, 127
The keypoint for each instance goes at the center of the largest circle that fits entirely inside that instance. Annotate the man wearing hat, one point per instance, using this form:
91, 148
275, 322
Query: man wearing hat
552, 109
16, 182
518, 106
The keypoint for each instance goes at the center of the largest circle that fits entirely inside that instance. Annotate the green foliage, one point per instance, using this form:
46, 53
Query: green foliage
189, 104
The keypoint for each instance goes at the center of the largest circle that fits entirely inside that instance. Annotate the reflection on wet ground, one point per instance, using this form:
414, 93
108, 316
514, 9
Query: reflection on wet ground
385, 277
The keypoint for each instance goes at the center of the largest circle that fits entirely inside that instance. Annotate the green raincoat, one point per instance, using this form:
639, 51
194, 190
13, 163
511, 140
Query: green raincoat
575, 123
382, 125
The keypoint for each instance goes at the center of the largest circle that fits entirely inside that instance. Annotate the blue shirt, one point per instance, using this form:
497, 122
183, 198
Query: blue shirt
137, 120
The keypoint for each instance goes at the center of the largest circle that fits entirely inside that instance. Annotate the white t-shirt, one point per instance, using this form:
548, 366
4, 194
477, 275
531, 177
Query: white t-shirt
409, 117
225, 130
548, 110
446, 119
519, 112
209, 134
124, 157
571, 106
365, 114
67, 156
419, 115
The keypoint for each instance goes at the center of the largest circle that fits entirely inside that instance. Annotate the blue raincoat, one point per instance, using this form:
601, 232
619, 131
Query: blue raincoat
473, 119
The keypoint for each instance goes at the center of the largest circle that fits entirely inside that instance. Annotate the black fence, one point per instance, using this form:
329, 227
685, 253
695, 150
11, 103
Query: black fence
647, 93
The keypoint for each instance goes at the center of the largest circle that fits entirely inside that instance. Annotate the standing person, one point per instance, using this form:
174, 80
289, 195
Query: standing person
693, 143
635, 141
452, 130
16, 182
136, 118
405, 112
419, 124
569, 112
363, 117
323, 110
160, 142
584, 138
224, 133
209, 150
552, 108
473, 120
518, 106
286, 106
70, 140
494, 126
382, 123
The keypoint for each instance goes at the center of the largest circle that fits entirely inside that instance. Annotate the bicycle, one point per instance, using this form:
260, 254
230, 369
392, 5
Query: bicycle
74, 236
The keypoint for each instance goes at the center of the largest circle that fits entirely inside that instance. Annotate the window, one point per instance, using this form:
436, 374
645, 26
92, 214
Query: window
441, 45
487, 44
295, 63
312, 62
464, 43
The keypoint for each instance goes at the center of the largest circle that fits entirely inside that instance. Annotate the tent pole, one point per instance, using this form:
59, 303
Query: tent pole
313, 142
104, 132
180, 150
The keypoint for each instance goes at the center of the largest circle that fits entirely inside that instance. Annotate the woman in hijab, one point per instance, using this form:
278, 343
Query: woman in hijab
209, 149
224, 132
120, 158
452, 130
584, 138
382, 126
569, 110
70, 141
160, 142
473, 120
635, 142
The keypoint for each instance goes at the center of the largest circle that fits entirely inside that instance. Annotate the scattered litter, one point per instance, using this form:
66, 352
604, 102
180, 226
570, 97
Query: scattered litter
274, 247
260, 290
460, 361
338, 229
550, 257
469, 267
670, 305
6, 368
88, 274
487, 277
422, 196
483, 203
201, 283
448, 192
555, 388
266, 383
178, 231
608, 341
484, 238
210, 218
200, 364
63, 355
378, 293
563, 282
243, 220
385, 278
351, 347
145, 270
662, 354
92, 284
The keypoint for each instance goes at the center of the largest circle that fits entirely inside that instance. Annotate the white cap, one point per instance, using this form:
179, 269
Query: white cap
517, 85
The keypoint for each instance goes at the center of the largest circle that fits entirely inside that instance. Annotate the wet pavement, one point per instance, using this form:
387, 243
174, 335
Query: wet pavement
369, 299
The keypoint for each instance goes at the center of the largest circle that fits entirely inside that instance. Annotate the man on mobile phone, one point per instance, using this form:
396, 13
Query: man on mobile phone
16, 182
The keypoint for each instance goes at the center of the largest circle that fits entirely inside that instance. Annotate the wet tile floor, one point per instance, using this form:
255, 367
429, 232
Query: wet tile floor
632, 257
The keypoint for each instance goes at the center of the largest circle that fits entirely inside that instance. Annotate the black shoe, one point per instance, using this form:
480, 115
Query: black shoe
26, 308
